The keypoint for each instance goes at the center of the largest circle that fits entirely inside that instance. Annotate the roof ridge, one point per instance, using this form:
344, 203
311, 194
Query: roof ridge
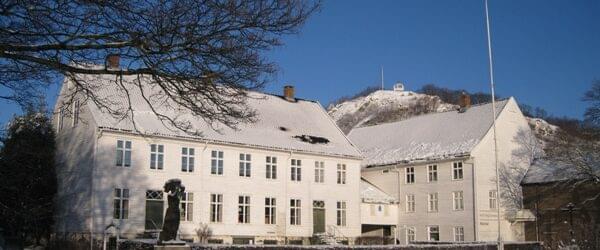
431, 114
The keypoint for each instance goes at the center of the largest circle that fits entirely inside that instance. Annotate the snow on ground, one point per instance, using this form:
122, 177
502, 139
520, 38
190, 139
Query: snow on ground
383, 98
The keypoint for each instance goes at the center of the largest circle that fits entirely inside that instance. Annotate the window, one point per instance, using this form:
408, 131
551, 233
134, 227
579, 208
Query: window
459, 234
457, 200
187, 207
341, 213
410, 203
271, 167
432, 173
216, 162
121, 203
123, 153
296, 170
410, 175
243, 209
341, 173
245, 166
270, 210
75, 112
411, 234
433, 202
457, 171
154, 209
433, 233
493, 199
156, 156
187, 159
216, 207
319, 172
295, 218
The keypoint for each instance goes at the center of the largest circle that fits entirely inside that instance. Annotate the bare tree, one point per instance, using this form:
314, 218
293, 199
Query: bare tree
203, 55
592, 113
511, 173
581, 156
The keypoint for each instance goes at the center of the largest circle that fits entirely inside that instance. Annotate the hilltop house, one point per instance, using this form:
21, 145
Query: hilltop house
440, 167
261, 183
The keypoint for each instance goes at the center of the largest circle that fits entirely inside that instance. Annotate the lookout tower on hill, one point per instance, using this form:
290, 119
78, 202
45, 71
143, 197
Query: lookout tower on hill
399, 87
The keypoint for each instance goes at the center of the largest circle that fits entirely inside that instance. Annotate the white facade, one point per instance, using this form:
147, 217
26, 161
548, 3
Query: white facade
458, 209
96, 189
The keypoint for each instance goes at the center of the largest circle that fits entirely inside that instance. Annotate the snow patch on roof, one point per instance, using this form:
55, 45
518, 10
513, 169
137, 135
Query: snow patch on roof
371, 194
546, 171
427, 137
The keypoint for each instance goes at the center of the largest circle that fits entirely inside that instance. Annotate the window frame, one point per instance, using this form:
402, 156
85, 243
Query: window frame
270, 210
409, 177
410, 203
121, 203
245, 165
295, 212
296, 170
216, 208
433, 199
459, 233
457, 169
341, 173
319, 172
76, 106
243, 209
188, 159
408, 235
493, 199
430, 231
216, 162
123, 153
458, 198
157, 156
186, 207
432, 173
341, 213
271, 167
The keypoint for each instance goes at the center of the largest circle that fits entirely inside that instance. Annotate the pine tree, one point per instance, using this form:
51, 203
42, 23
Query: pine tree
28, 177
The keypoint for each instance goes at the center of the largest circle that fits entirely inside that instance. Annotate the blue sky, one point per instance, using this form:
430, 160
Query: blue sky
547, 53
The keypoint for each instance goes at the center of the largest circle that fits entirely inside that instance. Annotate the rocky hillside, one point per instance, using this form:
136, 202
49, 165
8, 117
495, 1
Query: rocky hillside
384, 106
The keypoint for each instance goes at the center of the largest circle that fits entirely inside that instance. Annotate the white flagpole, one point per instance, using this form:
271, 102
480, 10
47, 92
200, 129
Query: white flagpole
382, 77
489, 43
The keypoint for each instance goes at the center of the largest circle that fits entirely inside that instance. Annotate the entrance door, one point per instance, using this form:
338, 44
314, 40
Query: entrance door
318, 217
154, 210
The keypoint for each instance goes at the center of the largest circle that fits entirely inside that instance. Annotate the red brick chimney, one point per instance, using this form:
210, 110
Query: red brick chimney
288, 93
112, 61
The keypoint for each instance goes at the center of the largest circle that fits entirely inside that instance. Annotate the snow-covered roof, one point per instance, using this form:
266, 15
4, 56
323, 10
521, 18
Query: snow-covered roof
371, 194
427, 137
546, 171
278, 121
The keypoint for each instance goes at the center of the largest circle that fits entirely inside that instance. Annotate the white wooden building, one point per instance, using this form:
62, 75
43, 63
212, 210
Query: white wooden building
260, 184
446, 187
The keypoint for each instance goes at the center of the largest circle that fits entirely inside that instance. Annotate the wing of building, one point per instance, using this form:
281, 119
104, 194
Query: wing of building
288, 176
441, 168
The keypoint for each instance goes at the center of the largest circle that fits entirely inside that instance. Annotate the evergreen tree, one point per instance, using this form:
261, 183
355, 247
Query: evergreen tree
27, 171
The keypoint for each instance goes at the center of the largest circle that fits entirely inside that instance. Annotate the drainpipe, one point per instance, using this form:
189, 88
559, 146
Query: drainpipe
474, 185
98, 135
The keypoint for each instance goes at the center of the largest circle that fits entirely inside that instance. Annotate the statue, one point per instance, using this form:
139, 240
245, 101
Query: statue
174, 191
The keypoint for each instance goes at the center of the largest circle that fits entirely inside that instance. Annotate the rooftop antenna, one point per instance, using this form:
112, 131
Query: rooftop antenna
492, 86
382, 77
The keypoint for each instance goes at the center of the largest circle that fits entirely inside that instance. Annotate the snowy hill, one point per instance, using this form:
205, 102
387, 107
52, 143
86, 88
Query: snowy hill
385, 106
